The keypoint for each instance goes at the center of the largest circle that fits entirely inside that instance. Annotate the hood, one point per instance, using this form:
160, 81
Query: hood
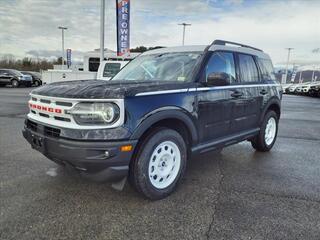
99, 89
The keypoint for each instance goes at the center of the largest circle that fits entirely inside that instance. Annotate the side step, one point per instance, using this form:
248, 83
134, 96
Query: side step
225, 141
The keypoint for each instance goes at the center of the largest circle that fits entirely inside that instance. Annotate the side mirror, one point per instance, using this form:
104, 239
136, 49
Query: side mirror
218, 79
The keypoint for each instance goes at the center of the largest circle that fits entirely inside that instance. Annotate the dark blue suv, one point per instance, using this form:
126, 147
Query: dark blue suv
162, 107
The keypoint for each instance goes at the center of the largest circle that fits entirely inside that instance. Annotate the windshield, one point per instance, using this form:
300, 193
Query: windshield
38, 75
160, 67
15, 72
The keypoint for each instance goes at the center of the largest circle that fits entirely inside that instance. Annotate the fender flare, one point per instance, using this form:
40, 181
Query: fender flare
272, 101
162, 114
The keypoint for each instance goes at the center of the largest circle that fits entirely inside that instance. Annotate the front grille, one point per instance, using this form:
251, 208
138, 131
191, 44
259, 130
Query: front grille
45, 101
55, 111
51, 132
32, 125
52, 111
66, 104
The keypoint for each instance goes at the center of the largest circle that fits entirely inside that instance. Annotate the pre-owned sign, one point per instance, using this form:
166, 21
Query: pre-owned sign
123, 27
69, 57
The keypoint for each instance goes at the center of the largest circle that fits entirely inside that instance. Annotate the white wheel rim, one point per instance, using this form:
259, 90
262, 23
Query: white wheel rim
270, 131
164, 164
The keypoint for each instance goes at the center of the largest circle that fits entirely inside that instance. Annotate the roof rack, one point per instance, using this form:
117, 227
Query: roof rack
223, 42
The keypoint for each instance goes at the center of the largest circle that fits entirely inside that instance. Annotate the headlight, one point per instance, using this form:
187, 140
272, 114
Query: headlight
95, 113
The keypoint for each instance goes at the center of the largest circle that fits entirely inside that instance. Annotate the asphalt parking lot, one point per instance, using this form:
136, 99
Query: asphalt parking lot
235, 194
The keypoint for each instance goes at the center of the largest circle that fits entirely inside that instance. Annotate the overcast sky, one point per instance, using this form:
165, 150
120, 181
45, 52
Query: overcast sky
29, 27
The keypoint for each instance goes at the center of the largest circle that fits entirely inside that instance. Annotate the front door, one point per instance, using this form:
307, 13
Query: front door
5, 77
215, 103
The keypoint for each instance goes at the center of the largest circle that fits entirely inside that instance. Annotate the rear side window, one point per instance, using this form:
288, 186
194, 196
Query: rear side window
248, 68
267, 70
111, 69
222, 62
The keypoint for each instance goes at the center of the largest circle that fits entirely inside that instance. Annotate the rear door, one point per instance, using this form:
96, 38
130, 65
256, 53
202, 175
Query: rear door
246, 110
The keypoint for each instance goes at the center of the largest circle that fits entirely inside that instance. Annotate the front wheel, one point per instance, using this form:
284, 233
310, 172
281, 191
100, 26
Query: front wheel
36, 83
15, 83
266, 138
160, 164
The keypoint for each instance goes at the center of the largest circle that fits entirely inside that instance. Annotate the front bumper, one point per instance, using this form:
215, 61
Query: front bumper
86, 157
26, 83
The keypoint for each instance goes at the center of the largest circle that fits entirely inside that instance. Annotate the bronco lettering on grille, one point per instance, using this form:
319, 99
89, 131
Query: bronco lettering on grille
44, 108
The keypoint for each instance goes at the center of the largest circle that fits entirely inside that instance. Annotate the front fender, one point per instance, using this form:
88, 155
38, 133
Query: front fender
162, 114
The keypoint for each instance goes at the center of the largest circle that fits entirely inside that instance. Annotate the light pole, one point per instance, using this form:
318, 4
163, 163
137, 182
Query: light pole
184, 30
62, 32
289, 50
102, 13
314, 68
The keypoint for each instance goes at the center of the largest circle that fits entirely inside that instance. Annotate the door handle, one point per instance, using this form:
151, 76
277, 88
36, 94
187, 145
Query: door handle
236, 94
263, 92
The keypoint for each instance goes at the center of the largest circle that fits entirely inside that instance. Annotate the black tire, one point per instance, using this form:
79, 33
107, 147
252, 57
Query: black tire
139, 167
259, 142
14, 83
36, 83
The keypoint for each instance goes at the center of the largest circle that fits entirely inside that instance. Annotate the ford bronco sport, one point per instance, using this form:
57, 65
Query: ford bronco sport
162, 107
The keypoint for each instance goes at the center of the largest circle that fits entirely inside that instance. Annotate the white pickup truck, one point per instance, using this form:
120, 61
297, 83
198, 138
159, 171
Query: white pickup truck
107, 69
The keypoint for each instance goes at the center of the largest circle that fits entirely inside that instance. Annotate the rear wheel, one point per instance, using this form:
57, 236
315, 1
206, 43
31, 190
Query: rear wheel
266, 138
159, 164
14, 83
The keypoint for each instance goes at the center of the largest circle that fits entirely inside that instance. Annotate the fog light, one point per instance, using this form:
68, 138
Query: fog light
107, 154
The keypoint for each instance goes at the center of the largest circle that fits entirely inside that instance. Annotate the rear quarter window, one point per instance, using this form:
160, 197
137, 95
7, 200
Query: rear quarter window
267, 70
248, 69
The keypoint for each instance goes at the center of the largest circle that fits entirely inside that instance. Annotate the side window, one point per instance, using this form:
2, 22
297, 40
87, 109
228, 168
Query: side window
222, 62
94, 64
266, 69
111, 69
248, 68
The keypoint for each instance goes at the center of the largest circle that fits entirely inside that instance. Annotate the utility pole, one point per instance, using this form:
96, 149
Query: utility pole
312, 78
289, 50
102, 18
62, 50
184, 30
300, 78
